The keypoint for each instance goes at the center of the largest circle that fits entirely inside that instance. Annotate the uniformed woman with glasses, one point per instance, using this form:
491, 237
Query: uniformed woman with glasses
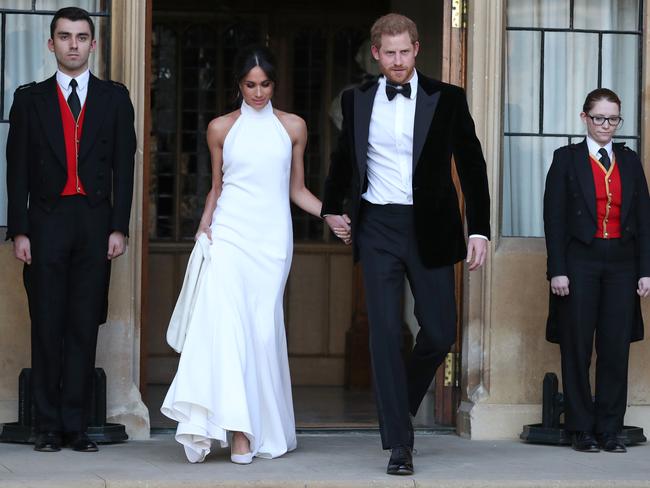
597, 226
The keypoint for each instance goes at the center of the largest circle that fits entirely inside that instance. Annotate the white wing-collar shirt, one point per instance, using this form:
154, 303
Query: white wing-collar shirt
390, 147
82, 85
594, 147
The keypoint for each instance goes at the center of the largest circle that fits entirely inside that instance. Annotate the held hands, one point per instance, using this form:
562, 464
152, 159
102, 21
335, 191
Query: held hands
476, 252
116, 245
340, 225
23, 249
560, 285
644, 287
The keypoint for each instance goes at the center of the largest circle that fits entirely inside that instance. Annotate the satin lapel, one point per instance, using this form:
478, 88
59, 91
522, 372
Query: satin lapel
97, 101
425, 108
585, 176
50, 116
627, 181
363, 102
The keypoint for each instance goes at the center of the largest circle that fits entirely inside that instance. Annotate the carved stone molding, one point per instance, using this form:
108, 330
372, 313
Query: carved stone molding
485, 35
118, 349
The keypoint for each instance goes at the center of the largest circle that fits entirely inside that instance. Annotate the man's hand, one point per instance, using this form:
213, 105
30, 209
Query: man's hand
560, 285
644, 287
23, 248
116, 244
476, 252
340, 225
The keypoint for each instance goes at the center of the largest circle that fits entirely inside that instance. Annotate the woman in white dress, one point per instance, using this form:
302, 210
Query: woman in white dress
233, 374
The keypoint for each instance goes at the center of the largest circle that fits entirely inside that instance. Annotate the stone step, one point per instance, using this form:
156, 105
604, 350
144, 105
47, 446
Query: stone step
328, 460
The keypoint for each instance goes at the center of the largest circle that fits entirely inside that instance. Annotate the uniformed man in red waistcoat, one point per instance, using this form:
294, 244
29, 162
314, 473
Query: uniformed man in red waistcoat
70, 154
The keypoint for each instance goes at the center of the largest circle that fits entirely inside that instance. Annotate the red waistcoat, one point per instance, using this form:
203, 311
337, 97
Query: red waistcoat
72, 136
608, 199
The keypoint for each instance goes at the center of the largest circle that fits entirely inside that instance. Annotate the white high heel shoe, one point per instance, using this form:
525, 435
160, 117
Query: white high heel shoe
246, 458
195, 457
241, 458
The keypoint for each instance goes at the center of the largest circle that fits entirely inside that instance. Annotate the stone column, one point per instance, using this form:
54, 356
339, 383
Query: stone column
118, 350
485, 58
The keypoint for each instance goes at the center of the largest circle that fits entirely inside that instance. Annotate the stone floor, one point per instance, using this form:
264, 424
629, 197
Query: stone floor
328, 460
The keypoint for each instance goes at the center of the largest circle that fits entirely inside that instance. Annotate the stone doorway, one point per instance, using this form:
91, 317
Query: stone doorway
319, 53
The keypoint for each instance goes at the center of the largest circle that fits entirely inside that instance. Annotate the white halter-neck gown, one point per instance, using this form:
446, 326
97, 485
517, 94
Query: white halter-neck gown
233, 373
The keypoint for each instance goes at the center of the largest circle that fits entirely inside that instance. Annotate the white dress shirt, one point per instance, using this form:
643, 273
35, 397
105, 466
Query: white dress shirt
82, 85
594, 147
390, 147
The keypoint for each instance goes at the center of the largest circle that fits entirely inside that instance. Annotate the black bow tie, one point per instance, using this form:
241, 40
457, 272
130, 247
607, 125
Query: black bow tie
393, 90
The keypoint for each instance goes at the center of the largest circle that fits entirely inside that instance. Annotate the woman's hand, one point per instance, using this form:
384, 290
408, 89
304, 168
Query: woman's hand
644, 287
560, 285
203, 229
340, 225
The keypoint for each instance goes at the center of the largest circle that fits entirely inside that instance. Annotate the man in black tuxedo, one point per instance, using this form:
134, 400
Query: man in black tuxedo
394, 155
70, 155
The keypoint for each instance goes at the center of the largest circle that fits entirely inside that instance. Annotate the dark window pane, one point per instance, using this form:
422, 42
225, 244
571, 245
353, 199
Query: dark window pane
189, 142
165, 206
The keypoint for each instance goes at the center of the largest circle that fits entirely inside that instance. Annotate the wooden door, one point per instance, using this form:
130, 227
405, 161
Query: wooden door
447, 381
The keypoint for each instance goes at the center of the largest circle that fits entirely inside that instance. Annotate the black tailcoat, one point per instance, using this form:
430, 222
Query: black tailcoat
570, 213
36, 159
67, 280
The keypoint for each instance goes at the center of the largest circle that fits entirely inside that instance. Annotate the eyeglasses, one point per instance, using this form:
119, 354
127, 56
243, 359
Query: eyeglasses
600, 120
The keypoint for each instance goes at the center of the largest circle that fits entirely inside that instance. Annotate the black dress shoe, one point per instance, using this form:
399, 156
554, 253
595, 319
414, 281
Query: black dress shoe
48, 442
584, 442
80, 442
610, 442
401, 461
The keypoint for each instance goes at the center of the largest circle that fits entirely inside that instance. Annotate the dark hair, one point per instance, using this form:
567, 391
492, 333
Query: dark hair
248, 58
74, 14
600, 94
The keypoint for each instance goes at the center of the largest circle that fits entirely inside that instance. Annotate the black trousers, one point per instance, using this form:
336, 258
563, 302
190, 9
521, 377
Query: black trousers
66, 288
388, 253
601, 301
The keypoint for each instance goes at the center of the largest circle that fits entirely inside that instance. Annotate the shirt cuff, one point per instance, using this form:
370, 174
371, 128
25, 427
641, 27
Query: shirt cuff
479, 236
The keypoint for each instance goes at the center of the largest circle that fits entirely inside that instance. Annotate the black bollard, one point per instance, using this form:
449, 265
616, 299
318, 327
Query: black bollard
551, 431
99, 430
552, 402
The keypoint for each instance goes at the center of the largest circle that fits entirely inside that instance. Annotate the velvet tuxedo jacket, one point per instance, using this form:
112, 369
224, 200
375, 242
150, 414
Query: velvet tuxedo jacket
570, 213
36, 159
443, 127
